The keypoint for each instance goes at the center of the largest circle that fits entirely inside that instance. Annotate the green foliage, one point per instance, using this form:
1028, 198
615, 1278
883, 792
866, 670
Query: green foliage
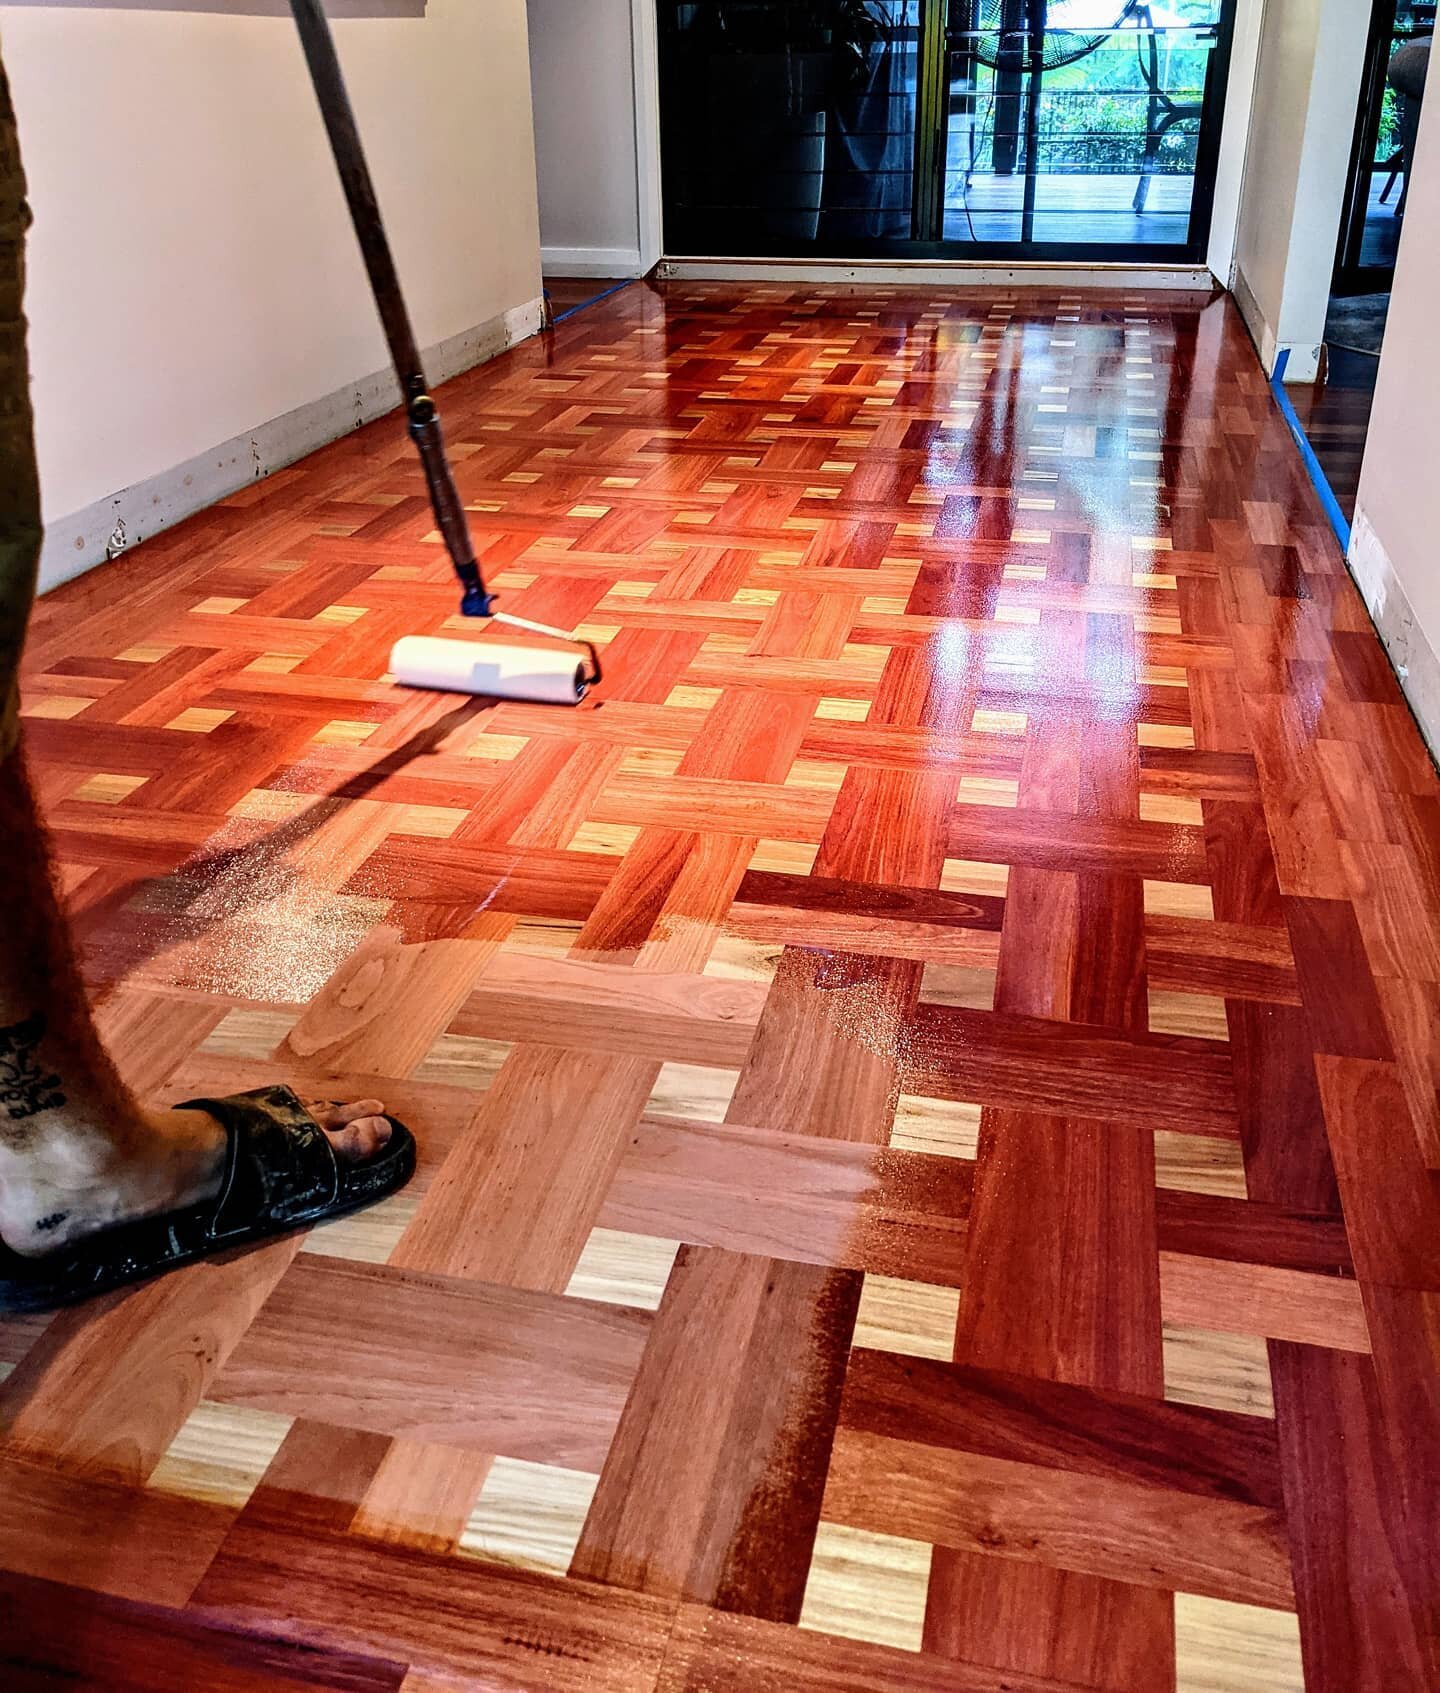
1387, 142
1094, 112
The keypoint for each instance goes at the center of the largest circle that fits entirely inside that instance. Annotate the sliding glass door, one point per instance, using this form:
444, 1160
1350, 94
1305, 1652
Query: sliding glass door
1076, 129
1392, 84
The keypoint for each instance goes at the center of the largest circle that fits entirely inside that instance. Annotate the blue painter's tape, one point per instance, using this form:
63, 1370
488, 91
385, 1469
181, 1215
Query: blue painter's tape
1323, 490
594, 299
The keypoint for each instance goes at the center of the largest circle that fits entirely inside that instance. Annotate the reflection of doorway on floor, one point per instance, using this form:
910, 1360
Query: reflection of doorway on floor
1335, 411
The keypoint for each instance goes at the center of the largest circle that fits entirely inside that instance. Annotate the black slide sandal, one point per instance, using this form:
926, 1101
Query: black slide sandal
281, 1174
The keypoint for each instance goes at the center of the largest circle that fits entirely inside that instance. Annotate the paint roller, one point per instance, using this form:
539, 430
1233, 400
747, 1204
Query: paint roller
421, 661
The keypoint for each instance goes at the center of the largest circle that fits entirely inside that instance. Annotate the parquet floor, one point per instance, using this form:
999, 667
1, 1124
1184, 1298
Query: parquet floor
926, 1083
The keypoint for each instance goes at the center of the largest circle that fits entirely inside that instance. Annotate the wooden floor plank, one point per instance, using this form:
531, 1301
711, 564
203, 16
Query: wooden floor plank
1124, 1436
1071, 1068
151, 1547
105, 1389
720, 1652
455, 1362
68, 1637
748, 1430
502, 1629
1112, 1529
1359, 1627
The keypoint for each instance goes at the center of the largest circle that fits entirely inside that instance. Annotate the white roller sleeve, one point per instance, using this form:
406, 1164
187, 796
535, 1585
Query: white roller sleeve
488, 667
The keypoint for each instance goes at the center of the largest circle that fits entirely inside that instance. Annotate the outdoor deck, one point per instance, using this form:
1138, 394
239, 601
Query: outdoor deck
1070, 208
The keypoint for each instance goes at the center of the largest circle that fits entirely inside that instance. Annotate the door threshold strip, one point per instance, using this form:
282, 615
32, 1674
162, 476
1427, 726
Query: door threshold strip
945, 273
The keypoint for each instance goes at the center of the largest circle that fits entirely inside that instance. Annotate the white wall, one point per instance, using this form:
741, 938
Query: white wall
583, 82
1234, 138
192, 269
1307, 89
1395, 542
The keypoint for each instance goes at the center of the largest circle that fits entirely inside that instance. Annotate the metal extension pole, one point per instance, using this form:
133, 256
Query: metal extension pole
420, 409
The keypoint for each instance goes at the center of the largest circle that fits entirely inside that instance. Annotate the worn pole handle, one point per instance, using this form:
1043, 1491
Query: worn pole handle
420, 409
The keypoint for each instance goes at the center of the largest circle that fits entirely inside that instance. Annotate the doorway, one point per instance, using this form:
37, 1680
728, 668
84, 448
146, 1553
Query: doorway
1333, 413
1385, 129
1067, 130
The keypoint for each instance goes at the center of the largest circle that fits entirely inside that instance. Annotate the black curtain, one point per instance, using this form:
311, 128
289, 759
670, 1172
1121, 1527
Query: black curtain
870, 138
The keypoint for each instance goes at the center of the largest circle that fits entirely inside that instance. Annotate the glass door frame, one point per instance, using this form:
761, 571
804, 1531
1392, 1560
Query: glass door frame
1352, 275
928, 156
931, 141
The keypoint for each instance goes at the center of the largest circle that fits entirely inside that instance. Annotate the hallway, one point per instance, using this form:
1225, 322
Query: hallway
926, 1082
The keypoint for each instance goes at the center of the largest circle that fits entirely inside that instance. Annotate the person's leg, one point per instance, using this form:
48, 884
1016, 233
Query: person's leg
76, 1151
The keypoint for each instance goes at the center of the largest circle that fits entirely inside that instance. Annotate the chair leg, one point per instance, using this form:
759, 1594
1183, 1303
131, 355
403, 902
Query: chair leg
1148, 52
1142, 187
1154, 133
1154, 140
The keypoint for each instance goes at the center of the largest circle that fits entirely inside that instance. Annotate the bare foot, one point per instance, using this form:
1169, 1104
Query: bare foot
178, 1161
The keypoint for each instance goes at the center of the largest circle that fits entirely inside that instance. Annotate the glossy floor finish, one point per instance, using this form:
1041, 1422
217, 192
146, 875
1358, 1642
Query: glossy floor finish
568, 293
1335, 416
926, 1083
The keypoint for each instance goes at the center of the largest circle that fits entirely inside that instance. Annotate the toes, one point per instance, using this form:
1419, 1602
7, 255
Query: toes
361, 1139
357, 1111
334, 1114
357, 1128
374, 1133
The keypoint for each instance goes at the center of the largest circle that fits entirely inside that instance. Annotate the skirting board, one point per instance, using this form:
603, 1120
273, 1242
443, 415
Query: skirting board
1416, 662
959, 273
1303, 364
86, 538
591, 261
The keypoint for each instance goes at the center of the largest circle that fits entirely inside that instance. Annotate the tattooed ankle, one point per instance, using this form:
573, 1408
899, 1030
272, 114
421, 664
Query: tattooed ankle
26, 1086
44, 1225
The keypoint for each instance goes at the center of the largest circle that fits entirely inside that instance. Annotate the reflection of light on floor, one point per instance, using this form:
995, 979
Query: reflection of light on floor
951, 653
